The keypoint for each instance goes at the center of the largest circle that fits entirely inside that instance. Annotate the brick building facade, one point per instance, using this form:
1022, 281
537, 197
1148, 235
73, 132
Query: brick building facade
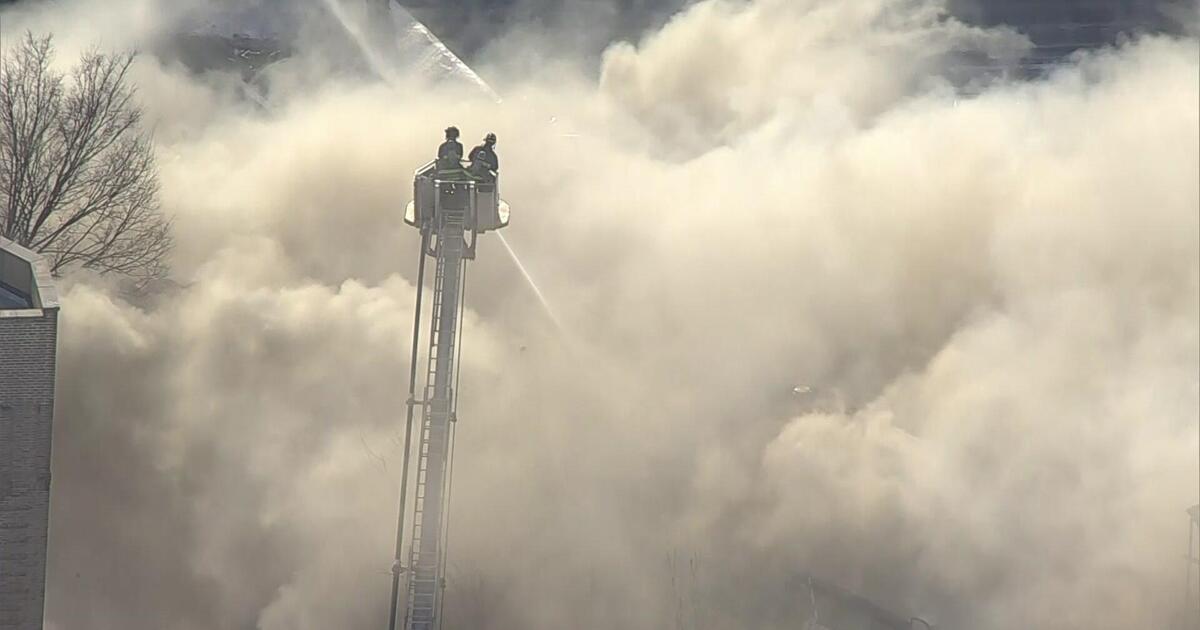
28, 348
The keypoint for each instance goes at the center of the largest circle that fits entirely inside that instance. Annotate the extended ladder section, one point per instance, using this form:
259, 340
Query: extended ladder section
426, 554
451, 209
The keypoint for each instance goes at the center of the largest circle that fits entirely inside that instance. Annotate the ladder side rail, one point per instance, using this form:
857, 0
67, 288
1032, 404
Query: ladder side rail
450, 450
408, 425
418, 538
453, 428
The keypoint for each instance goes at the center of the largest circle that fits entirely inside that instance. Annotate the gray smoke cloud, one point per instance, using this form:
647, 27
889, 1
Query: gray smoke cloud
819, 315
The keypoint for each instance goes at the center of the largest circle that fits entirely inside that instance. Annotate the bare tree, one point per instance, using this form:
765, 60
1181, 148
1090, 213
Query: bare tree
78, 181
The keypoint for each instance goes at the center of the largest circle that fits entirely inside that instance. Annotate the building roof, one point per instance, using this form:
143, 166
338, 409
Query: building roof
25, 281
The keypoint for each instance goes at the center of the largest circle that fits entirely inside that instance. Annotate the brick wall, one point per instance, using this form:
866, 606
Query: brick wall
27, 366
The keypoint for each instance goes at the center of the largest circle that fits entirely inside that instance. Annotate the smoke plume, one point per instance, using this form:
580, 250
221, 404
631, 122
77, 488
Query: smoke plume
821, 315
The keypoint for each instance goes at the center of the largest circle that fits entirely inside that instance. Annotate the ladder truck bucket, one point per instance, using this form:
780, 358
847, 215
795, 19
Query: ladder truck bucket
487, 211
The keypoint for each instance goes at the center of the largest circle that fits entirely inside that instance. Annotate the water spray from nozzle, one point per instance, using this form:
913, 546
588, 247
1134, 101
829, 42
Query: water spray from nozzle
532, 284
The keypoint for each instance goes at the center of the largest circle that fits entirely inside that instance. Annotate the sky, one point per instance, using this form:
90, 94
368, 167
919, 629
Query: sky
814, 312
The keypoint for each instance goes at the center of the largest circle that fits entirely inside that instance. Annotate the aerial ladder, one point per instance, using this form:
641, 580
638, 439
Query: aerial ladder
451, 209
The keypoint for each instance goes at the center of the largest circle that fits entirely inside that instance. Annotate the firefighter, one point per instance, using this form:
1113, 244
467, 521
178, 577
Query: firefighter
483, 158
450, 153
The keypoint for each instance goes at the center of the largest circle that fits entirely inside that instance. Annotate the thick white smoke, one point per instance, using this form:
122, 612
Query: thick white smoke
992, 302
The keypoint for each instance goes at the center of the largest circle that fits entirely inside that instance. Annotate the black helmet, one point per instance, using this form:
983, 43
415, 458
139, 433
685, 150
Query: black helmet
490, 138
451, 132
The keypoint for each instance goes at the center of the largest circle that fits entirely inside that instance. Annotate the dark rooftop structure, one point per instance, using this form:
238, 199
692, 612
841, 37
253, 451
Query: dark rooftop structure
10, 298
24, 282
1058, 29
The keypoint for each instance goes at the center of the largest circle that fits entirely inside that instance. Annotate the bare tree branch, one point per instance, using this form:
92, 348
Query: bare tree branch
78, 180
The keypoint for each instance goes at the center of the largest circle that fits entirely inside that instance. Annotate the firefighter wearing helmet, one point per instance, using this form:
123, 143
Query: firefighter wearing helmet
483, 158
450, 153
